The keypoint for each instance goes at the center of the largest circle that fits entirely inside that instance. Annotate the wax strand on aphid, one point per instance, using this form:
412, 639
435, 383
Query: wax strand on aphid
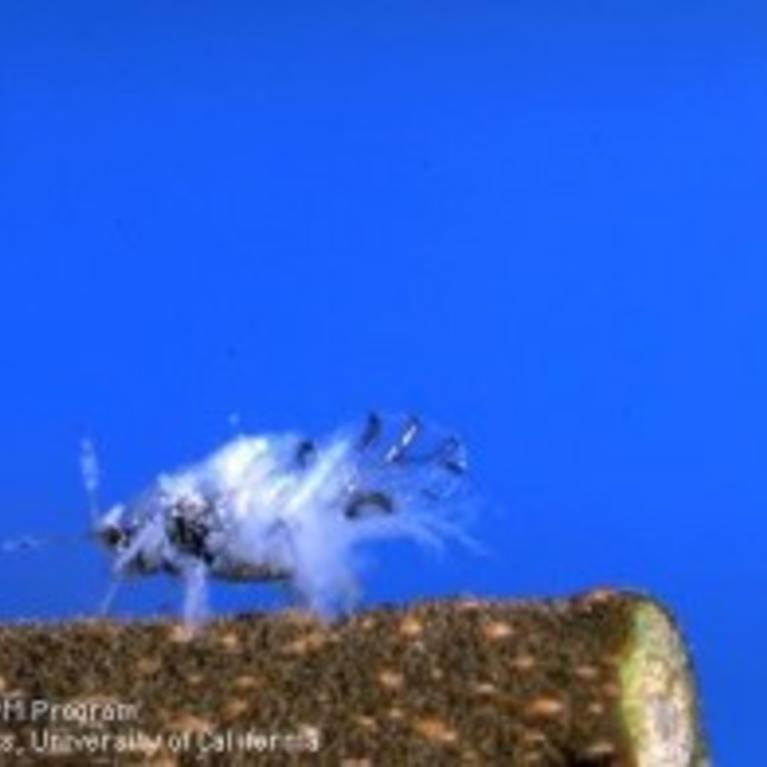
89, 467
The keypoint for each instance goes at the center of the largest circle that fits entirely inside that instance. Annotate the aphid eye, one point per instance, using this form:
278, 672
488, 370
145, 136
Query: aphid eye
111, 536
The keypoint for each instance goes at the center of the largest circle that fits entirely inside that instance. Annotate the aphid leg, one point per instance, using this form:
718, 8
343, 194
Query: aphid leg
195, 576
349, 595
332, 600
109, 597
397, 451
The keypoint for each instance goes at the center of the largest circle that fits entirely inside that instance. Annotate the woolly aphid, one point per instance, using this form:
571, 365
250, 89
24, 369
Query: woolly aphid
281, 507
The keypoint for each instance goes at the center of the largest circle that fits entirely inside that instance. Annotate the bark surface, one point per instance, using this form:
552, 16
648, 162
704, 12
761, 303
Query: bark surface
599, 680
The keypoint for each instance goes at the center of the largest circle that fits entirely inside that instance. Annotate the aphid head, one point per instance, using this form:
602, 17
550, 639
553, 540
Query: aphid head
110, 530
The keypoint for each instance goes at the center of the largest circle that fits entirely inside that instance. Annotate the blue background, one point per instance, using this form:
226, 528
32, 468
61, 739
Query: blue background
542, 223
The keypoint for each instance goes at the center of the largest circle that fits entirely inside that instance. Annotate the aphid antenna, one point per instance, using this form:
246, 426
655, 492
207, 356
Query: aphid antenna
91, 474
89, 468
34, 542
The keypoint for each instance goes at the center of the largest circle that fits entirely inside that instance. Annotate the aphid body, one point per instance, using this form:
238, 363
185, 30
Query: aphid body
282, 507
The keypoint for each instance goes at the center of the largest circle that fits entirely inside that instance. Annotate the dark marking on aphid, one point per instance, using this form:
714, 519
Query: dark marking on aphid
450, 456
374, 499
190, 533
433, 495
306, 453
372, 431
